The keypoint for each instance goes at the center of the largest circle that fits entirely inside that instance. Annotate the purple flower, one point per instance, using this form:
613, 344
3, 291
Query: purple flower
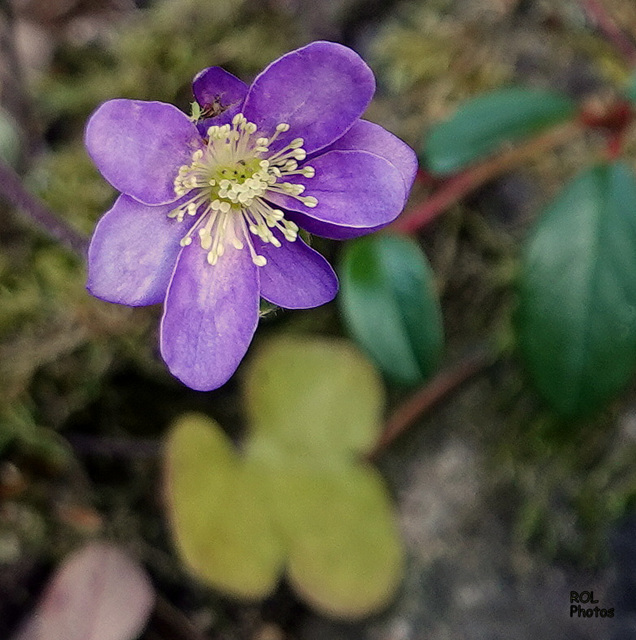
210, 206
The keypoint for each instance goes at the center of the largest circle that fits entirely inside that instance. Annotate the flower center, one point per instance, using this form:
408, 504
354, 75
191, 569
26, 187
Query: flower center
228, 182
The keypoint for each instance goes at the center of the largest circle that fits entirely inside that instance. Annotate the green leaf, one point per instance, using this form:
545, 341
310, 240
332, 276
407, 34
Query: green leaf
218, 515
344, 551
390, 305
313, 397
296, 496
482, 125
577, 301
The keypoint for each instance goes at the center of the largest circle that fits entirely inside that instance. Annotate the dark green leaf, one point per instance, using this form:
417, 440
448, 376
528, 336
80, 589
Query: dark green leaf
577, 313
390, 305
482, 125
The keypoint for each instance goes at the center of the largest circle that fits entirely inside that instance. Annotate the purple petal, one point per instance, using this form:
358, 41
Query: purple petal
357, 192
367, 136
328, 230
319, 90
139, 146
210, 316
219, 94
133, 252
295, 276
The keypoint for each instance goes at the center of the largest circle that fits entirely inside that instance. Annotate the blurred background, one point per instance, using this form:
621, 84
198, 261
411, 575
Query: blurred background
501, 514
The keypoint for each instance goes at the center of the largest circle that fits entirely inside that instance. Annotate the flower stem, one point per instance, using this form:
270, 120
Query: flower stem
455, 188
431, 394
597, 13
12, 190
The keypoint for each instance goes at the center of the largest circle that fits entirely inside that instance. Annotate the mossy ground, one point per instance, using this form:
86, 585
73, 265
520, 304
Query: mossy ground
85, 400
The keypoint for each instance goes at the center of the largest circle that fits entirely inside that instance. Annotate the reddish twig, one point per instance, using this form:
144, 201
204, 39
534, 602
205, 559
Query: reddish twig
455, 188
613, 121
597, 13
431, 394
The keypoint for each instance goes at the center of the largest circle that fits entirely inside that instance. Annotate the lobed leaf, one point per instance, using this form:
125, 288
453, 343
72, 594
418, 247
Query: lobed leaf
295, 497
483, 124
314, 397
218, 515
345, 557
576, 320
390, 305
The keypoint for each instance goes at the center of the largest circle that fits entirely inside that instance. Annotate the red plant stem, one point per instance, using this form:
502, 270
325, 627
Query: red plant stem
455, 188
615, 146
431, 394
13, 191
598, 14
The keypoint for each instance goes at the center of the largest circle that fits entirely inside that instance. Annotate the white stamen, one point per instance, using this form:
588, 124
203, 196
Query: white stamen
229, 181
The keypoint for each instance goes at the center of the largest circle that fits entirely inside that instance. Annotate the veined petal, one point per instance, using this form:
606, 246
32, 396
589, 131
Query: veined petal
139, 146
319, 90
357, 191
368, 136
210, 316
219, 93
133, 252
295, 276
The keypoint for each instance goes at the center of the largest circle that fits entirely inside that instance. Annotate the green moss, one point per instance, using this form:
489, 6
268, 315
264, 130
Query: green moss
57, 343
156, 56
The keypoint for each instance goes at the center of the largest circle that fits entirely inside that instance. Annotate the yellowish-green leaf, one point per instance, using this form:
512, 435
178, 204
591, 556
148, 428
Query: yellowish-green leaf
345, 557
219, 517
298, 496
314, 397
